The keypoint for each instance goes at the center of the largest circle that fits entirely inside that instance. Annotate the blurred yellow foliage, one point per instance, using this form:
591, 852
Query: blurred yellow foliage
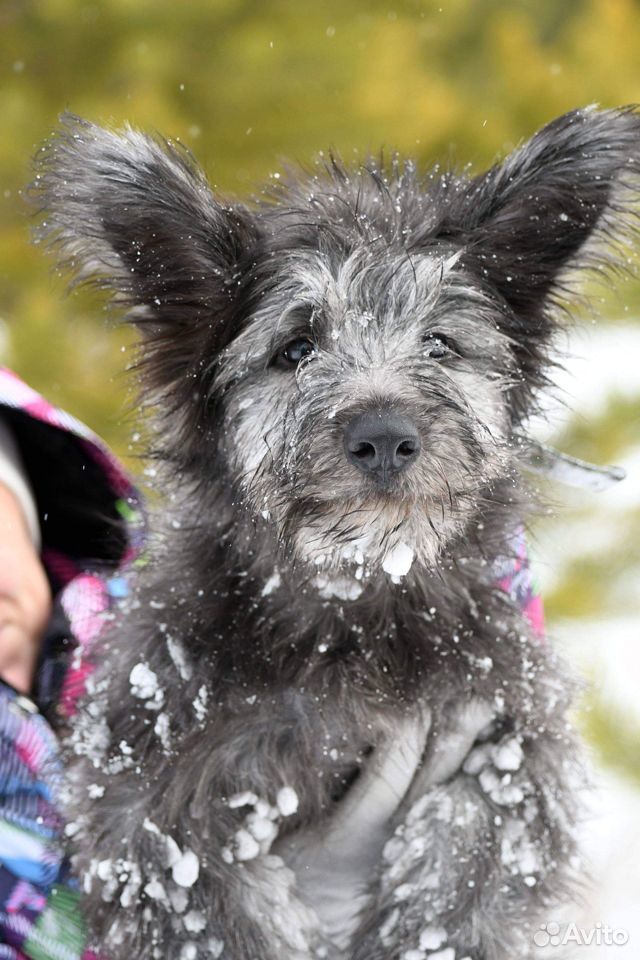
247, 83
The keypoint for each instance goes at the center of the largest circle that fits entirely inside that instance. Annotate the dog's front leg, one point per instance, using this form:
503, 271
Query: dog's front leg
472, 862
174, 847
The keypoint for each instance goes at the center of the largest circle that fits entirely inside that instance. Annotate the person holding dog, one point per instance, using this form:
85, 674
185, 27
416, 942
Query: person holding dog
70, 527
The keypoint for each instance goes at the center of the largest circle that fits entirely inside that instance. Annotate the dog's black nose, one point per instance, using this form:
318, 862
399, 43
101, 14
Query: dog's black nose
381, 443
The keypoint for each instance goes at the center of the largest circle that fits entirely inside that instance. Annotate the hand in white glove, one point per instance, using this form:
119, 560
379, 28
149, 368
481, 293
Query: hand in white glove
335, 863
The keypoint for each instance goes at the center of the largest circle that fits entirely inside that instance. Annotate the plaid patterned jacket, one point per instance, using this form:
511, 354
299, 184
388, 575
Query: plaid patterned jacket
92, 533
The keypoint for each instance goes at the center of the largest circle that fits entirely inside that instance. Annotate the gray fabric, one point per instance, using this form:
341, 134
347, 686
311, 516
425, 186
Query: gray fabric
13, 476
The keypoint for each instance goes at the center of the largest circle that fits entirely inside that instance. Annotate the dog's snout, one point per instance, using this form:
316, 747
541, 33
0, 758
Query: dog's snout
381, 443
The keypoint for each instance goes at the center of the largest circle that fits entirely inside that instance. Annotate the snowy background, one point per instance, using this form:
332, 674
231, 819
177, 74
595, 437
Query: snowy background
598, 532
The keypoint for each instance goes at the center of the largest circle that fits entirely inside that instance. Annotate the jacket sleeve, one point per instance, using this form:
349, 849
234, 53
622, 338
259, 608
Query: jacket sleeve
40, 917
514, 576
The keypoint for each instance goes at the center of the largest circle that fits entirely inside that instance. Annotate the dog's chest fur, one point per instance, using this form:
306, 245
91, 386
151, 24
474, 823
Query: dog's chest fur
290, 681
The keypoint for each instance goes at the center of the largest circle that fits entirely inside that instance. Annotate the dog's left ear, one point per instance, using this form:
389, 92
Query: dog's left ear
529, 219
134, 215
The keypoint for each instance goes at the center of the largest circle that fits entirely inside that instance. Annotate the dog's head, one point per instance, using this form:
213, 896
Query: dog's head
353, 353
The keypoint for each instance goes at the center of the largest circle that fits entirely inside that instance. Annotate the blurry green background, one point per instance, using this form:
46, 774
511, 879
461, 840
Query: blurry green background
245, 83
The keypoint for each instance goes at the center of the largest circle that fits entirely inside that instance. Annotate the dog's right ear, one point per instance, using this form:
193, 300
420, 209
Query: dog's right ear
135, 215
565, 201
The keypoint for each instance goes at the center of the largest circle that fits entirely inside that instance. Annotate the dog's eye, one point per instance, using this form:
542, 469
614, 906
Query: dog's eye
296, 350
436, 346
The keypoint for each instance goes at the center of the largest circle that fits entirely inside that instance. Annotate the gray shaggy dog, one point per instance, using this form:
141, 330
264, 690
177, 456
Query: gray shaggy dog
322, 729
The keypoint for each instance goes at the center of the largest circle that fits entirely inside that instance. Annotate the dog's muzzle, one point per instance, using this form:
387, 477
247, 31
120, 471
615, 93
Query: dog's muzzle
381, 444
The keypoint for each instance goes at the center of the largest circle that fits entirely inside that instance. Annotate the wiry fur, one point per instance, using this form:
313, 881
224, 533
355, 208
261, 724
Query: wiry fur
285, 655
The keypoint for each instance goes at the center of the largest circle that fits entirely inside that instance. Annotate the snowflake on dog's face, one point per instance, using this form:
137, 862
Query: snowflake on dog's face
366, 407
